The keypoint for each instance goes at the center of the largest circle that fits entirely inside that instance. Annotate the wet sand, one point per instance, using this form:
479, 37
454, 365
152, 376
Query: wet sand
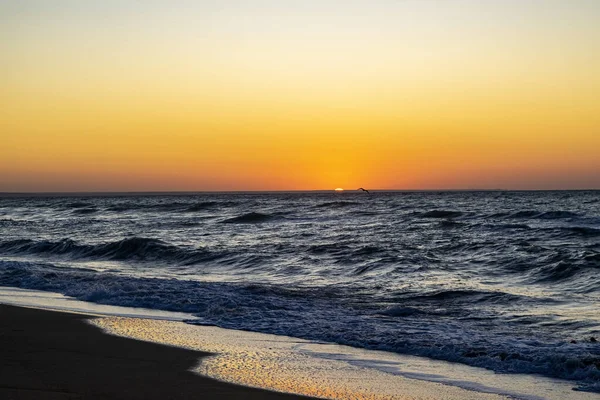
53, 355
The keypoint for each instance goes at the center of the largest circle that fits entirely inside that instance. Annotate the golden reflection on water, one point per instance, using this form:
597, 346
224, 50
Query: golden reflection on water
271, 362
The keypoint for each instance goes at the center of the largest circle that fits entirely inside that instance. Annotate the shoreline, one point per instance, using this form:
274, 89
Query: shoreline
94, 352
58, 355
48, 354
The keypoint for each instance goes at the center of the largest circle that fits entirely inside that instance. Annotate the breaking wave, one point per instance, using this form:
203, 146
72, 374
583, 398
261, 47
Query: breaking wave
130, 249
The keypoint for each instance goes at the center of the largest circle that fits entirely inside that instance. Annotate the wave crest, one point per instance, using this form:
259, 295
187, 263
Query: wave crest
130, 249
249, 218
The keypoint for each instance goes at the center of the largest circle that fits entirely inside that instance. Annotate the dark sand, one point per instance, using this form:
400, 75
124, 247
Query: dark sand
53, 355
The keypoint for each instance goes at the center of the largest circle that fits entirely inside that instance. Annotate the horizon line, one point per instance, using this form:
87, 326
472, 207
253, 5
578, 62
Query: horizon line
191, 192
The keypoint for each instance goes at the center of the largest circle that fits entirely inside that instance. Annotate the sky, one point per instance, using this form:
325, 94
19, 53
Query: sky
299, 95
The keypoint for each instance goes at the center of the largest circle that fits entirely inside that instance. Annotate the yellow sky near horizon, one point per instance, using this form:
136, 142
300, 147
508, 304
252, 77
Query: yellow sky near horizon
156, 95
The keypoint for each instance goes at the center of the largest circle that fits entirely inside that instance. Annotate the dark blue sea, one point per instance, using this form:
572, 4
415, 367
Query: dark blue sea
508, 281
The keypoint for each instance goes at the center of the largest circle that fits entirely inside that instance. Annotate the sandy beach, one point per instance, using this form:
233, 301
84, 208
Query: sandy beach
52, 355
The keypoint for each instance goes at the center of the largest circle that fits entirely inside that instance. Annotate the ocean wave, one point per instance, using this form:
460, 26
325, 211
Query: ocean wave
592, 257
250, 218
401, 311
177, 206
10, 222
79, 204
203, 206
441, 214
585, 266
525, 214
172, 206
367, 251
471, 296
557, 272
502, 226
449, 224
536, 214
352, 256
329, 248
583, 230
122, 207
558, 215
363, 213
337, 204
130, 249
85, 210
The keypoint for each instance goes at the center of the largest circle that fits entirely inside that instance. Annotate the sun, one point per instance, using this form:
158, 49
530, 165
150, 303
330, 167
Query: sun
339, 190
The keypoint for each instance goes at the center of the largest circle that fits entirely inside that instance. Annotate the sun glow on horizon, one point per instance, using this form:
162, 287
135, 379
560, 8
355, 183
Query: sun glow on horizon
191, 96
339, 190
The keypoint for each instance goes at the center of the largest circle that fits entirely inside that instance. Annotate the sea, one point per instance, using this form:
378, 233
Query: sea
503, 280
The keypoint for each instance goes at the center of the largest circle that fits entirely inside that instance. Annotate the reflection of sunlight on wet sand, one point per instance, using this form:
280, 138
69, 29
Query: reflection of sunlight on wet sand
271, 362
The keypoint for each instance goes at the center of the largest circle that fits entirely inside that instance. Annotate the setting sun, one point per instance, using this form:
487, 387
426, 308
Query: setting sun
299, 97
339, 190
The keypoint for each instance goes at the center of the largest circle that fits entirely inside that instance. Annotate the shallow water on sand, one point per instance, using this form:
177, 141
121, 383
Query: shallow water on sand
502, 280
336, 372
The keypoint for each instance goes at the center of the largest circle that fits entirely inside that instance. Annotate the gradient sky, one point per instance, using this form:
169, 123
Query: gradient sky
293, 95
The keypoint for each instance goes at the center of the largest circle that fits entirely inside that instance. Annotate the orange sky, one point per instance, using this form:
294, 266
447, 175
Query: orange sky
418, 94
